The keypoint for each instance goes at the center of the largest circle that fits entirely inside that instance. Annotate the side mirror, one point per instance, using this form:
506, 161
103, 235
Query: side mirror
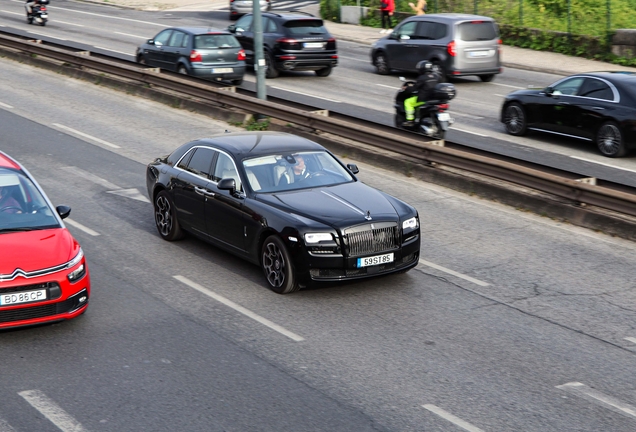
150, 41
404, 37
63, 211
548, 91
402, 79
231, 28
158, 44
353, 168
228, 184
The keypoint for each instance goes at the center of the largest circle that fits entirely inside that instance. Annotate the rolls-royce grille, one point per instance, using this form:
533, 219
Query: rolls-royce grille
372, 241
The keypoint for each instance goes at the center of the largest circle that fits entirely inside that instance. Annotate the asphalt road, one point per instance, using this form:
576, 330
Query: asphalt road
353, 88
510, 322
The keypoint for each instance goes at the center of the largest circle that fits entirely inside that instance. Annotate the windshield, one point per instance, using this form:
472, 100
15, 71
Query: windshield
215, 41
291, 171
22, 206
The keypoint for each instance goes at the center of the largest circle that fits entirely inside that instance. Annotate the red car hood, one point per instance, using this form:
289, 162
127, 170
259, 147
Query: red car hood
36, 250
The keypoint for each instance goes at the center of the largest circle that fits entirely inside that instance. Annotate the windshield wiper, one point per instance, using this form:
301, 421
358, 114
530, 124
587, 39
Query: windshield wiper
5, 230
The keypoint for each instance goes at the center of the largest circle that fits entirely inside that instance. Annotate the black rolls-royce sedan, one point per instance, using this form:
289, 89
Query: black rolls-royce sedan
285, 203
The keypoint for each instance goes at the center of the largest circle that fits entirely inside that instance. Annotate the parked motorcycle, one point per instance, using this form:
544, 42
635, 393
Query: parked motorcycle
39, 14
431, 119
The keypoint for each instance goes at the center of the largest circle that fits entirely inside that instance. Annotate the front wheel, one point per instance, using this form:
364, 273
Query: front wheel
277, 266
381, 64
609, 140
515, 119
166, 218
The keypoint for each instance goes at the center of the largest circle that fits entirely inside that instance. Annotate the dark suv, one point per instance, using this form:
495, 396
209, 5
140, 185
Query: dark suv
291, 41
456, 44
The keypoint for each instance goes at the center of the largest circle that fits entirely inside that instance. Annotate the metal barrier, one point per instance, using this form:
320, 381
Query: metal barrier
581, 190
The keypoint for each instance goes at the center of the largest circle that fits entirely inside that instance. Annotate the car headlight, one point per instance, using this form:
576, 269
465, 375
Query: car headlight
410, 223
317, 237
76, 274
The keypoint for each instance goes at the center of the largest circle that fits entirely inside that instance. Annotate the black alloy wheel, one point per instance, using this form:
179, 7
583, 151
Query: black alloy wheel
381, 64
515, 119
324, 72
487, 78
271, 71
609, 140
277, 266
166, 218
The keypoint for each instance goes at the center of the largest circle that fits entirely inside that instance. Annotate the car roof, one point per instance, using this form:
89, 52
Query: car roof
292, 15
200, 30
451, 17
252, 144
615, 76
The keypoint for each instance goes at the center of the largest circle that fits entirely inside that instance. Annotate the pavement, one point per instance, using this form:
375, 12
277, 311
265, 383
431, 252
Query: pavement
512, 57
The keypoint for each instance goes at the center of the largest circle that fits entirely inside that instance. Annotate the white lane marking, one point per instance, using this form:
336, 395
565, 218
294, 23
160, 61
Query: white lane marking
4, 105
68, 23
500, 95
388, 86
474, 133
602, 163
132, 35
52, 411
355, 59
90, 177
239, 308
589, 393
112, 50
130, 193
47, 35
5, 427
631, 339
451, 418
506, 85
423, 263
13, 13
306, 94
84, 135
467, 115
114, 17
79, 226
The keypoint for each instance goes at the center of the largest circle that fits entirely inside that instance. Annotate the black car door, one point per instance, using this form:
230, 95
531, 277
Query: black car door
244, 34
154, 52
553, 108
224, 210
401, 46
190, 188
597, 103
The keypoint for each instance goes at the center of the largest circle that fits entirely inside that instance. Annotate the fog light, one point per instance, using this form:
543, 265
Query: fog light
82, 299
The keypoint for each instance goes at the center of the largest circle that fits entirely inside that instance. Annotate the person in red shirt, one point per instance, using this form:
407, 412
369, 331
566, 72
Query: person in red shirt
387, 7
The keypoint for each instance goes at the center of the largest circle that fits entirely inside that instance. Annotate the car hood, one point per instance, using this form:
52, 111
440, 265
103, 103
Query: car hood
36, 250
338, 206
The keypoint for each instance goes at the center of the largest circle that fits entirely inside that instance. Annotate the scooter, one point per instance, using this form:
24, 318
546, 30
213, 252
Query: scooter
40, 14
431, 119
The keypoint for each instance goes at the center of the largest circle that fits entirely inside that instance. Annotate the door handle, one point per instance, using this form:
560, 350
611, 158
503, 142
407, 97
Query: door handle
199, 190
597, 108
208, 193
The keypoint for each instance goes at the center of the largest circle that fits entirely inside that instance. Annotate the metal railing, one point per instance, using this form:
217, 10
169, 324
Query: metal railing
579, 190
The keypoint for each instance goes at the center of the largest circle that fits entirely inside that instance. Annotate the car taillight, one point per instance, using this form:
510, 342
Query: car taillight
331, 44
43, 8
499, 43
241, 55
443, 107
288, 44
195, 57
451, 48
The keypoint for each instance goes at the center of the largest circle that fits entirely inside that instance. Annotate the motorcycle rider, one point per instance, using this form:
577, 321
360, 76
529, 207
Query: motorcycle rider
29, 6
423, 88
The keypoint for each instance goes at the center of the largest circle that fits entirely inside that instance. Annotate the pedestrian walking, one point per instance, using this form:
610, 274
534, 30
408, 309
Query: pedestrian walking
387, 7
420, 9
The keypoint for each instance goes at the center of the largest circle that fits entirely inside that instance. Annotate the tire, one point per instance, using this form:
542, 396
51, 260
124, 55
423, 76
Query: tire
182, 70
609, 140
438, 68
271, 71
486, 78
324, 72
237, 82
398, 120
381, 64
141, 60
43, 23
515, 119
166, 218
440, 134
277, 266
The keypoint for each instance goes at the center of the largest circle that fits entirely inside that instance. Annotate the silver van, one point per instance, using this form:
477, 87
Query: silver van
457, 45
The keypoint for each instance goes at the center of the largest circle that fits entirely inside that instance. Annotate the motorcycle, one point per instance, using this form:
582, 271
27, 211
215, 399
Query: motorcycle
431, 118
39, 14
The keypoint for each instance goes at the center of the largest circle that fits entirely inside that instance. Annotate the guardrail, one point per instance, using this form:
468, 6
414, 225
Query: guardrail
581, 190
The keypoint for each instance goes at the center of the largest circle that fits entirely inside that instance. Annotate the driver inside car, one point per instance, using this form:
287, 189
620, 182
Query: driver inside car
300, 170
8, 204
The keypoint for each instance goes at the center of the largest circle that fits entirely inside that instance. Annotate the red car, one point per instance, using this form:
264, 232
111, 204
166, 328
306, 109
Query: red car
43, 273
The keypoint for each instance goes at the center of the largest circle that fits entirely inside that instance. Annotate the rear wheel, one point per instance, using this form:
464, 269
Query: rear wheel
182, 70
43, 23
166, 218
324, 72
515, 119
271, 71
439, 69
381, 64
237, 82
487, 78
277, 266
609, 140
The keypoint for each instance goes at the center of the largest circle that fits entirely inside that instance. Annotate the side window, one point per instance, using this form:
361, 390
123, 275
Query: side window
270, 26
186, 40
430, 30
594, 88
439, 31
183, 164
201, 162
569, 87
244, 24
163, 37
225, 169
177, 39
407, 29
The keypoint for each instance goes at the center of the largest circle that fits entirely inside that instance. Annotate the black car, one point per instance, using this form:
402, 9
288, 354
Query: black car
284, 203
598, 107
292, 41
198, 51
